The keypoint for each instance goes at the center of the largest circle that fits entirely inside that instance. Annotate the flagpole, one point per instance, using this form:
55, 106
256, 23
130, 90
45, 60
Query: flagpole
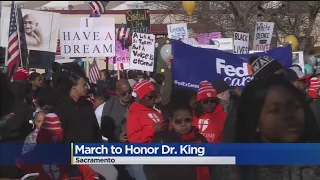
18, 31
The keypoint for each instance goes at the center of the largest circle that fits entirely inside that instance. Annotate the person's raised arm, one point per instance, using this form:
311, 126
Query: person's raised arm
166, 88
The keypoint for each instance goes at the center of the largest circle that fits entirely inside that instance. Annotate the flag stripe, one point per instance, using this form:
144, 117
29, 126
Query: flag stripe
13, 40
94, 73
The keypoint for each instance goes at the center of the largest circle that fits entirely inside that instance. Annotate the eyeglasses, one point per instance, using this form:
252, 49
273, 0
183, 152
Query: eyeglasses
179, 121
208, 101
126, 93
150, 97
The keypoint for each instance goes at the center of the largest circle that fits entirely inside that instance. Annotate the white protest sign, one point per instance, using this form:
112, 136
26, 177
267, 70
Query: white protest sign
241, 43
223, 44
60, 59
142, 52
177, 31
87, 37
297, 58
262, 36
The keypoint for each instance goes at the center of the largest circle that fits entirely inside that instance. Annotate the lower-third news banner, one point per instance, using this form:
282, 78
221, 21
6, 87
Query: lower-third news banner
196, 154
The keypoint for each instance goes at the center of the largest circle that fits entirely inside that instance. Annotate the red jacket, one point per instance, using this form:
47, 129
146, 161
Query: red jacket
211, 125
140, 122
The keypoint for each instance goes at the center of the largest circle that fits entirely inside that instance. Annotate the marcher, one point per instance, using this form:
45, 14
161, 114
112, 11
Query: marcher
143, 121
36, 83
75, 111
31, 140
114, 110
209, 114
182, 132
272, 110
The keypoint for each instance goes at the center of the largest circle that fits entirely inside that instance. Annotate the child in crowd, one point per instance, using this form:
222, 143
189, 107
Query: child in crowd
31, 140
182, 132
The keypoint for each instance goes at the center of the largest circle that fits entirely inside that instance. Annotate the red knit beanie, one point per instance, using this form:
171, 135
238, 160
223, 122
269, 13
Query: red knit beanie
314, 87
20, 75
206, 92
143, 88
205, 84
50, 130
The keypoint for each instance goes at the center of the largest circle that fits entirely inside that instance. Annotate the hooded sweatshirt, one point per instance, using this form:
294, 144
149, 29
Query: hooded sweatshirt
140, 122
211, 124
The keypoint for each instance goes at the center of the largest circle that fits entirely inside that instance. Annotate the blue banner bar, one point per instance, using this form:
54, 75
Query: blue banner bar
246, 154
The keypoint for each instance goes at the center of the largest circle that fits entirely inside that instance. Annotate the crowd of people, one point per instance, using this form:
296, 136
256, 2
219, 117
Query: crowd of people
278, 106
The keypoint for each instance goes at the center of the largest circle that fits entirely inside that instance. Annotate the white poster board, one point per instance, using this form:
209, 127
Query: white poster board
262, 36
87, 37
60, 59
142, 52
41, 29
178, 31
297, 58
223, 44
241, 43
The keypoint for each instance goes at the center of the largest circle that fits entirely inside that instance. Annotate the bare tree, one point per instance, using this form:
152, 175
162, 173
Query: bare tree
299, 18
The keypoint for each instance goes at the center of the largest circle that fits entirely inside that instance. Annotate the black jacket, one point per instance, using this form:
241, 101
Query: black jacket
170, 172
18, 127
78, 121
230, 122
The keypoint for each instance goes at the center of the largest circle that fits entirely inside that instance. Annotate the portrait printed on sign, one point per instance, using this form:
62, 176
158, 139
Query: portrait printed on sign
32, 30
40, 28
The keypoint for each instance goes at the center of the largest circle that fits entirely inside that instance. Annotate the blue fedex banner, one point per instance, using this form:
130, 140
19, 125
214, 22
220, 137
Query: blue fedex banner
192, 65
245, 154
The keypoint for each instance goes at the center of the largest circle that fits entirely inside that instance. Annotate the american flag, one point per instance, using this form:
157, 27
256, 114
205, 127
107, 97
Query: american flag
13, 41
94, 73
122, 33
23, 42
98, 6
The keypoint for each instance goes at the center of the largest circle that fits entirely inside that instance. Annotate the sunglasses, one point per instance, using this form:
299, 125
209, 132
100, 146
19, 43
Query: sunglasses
126, 93
150, 97
179, 121
208, 101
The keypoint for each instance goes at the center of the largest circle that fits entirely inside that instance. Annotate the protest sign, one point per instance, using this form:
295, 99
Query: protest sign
178, 31
216, 65
122, 54
138, 20
205, 38
142, 52
241, 43
41, 29
223, 44
262, 36
297, 58
60, 59
87, 37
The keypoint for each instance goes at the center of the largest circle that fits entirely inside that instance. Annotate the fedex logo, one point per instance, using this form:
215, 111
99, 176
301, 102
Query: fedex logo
236, 76
230, 70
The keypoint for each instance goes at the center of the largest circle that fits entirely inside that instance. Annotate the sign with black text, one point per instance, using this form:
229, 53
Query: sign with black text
138, 20
142, 52
262, 36
87, 37
241, 43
